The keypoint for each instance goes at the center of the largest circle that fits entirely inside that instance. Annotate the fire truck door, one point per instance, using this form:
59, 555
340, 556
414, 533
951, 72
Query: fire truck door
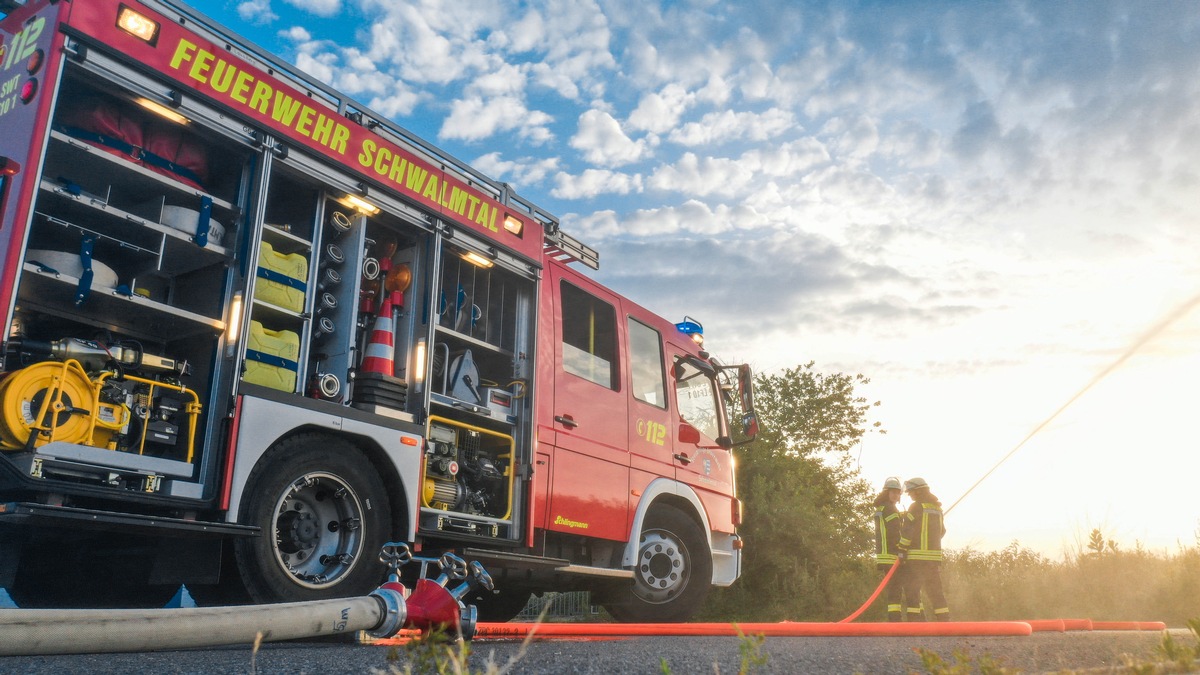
589, 484
652, 430
701, 463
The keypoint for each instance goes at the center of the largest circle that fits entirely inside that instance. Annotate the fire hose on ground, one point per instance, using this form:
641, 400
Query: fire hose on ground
383, 613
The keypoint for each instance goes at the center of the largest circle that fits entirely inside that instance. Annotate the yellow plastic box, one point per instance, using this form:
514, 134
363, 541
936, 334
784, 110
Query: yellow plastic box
271, 357
281, 278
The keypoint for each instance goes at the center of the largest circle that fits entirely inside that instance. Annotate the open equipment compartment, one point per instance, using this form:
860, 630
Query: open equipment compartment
122, 293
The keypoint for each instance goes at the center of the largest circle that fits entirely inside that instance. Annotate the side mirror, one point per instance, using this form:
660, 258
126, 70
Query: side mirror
750, 425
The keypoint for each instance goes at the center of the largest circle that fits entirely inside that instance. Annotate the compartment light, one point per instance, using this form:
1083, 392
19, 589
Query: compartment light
138, 25
514, 225
359, 204
161, 110
233, 325
419, 362
476, 259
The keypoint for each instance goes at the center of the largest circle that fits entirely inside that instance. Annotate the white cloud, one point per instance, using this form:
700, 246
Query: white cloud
256, 11
660, 111
524, 171
318, 7
727, 125
474, 118
595, 182
601, 140
702, 176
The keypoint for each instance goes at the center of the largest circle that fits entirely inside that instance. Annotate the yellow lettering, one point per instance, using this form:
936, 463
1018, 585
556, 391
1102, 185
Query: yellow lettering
322, 130
415, 178
240, 86
397, 173
306, 114
431, 189
201, 65
364, 157
222, 77
474, 202
284, 110
183, 52
458, 201
483, 216
261, 96
341, 134
381, 161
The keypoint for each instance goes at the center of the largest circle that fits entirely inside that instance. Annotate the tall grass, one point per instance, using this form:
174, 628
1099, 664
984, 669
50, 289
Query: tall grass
1100, 581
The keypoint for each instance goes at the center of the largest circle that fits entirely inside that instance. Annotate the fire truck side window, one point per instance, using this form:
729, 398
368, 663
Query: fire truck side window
589, 337
697, 399
646, 363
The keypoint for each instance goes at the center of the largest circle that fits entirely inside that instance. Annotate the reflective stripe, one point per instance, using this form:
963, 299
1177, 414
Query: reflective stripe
942, 610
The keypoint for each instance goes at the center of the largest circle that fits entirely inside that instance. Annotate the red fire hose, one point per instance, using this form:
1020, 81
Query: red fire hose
887, 577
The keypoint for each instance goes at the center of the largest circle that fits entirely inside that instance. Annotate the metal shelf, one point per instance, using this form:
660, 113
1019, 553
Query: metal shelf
134, 315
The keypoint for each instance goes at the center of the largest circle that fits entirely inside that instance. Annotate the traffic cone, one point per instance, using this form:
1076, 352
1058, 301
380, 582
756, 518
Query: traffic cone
379, 356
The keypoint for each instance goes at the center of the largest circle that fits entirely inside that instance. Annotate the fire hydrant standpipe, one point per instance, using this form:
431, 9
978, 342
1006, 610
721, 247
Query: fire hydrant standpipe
25, 632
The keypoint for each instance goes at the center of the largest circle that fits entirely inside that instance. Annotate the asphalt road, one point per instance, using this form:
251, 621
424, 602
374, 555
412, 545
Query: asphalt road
1041, 652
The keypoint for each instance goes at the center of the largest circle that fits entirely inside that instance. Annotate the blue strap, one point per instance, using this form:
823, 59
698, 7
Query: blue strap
272, 275
137, 154
72, 189
201, 237
85, 279
271, 359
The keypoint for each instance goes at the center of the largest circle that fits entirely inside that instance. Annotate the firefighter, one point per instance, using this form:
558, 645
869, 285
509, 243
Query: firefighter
887, 537
920, 551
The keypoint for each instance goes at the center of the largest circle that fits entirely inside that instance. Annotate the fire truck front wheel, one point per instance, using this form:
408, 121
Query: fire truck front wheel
673, 571
324, 515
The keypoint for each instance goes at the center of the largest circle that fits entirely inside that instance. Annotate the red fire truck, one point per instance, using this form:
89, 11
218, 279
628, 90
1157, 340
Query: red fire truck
252, 330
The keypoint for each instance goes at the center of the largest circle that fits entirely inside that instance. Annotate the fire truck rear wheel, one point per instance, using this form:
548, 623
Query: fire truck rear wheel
324, 514
673, 571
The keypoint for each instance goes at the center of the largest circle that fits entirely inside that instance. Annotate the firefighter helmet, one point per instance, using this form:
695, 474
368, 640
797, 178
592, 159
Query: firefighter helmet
915, 484
892, 483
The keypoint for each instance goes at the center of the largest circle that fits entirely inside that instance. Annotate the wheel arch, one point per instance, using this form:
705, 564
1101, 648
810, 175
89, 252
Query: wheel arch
398, 467
666, 492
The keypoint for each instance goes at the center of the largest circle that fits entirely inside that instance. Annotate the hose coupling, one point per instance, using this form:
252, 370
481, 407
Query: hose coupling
395, 611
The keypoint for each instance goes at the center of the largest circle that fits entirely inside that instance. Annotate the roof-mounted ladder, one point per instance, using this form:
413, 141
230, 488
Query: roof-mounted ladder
563, 247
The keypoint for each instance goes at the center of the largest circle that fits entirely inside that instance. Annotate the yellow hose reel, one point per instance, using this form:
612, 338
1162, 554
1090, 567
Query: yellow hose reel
45, 397
57, 401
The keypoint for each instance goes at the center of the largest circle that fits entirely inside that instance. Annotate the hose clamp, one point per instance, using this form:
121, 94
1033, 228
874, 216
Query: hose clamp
395, 612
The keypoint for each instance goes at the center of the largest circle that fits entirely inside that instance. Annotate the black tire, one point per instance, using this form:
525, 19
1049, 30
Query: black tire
500, 605
673, 571
324, 514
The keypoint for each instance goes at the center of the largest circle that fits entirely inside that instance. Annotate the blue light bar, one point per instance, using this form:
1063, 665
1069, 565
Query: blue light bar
690, 326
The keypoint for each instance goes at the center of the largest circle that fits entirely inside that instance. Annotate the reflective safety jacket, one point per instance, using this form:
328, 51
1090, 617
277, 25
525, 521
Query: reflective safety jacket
922, 529
887, 532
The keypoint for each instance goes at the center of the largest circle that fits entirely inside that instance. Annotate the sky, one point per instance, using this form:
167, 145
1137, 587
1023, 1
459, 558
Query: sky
990, 209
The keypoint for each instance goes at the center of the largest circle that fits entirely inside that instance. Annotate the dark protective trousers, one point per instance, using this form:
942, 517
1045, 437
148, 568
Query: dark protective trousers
924, 575
894, 592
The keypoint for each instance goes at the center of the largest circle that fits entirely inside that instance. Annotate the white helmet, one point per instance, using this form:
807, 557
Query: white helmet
892, 483
915, 484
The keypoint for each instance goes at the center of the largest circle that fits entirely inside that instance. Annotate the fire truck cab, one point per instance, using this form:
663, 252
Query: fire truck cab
252, 330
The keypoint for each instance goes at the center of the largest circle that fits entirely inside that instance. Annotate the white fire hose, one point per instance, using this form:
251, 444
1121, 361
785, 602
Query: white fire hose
28, 632
25, 632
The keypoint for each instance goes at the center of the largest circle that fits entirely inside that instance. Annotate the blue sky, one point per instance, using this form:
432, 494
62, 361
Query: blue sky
980, 206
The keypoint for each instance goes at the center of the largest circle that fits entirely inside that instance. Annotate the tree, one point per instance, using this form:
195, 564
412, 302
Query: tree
807, 526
